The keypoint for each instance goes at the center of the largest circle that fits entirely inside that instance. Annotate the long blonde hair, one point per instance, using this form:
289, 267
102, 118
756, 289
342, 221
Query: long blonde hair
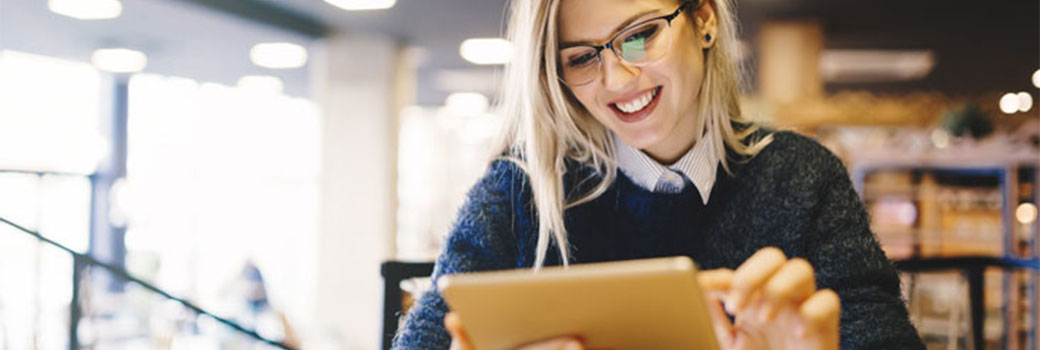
545, 124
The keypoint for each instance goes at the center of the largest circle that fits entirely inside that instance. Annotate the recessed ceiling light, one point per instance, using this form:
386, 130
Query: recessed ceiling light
362, 5
1025, 101
119, 60
278, 55
261, 83
486, 50
86, 9
1009, 103
1036, 78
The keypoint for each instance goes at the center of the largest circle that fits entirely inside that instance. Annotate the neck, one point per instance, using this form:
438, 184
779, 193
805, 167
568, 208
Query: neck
669, 150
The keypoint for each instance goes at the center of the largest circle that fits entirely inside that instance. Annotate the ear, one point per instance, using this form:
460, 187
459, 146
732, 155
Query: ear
706, 23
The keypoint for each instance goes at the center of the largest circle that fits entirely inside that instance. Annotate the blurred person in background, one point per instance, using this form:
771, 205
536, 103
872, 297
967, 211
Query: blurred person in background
245, 297
625, 140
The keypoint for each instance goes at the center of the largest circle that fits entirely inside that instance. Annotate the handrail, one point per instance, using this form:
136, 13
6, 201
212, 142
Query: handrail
126, 275
974, 268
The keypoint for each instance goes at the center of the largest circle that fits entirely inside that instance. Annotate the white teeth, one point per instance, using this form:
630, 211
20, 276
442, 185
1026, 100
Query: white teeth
637, 104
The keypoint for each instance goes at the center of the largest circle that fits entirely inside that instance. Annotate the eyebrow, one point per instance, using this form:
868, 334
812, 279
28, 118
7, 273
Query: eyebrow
617, 29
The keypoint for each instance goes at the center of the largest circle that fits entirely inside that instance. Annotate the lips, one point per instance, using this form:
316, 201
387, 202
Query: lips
634, 101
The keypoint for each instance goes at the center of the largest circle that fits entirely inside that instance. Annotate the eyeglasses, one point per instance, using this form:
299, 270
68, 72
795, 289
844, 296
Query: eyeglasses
640, 44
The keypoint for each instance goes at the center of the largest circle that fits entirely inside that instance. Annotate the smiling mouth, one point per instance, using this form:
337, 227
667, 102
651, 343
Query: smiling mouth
638, 108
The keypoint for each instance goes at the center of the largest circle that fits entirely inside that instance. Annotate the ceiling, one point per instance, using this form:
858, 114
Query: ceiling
180, 39
979, 46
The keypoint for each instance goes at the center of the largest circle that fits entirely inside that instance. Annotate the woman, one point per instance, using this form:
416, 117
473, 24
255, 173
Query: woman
650, 87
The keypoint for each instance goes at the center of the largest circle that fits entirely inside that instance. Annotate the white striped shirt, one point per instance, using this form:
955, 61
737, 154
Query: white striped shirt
699, 164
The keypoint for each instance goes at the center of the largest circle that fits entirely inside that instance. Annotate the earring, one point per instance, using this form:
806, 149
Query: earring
707, 38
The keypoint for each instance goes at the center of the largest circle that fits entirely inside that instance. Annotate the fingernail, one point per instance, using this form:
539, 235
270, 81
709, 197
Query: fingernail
573, 345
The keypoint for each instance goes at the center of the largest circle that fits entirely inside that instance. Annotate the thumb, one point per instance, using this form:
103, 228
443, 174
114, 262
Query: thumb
459, 338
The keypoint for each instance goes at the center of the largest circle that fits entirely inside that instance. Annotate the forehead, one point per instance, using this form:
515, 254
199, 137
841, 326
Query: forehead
596, 20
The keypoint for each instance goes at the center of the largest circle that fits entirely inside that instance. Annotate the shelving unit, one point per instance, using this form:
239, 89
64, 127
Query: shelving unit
951, 205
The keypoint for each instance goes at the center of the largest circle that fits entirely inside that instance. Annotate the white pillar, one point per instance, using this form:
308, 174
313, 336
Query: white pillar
353, 79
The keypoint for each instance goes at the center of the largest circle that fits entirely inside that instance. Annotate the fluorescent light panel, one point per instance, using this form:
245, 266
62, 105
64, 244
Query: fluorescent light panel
362, 5
486, 50
86, 9
866, 66
119, 60
278, 55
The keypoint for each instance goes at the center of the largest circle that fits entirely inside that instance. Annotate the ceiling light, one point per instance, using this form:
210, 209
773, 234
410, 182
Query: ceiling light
86, 9
487, 50
278, 55
1036, 78
361, 5
866, 66
1026, 213
1025, 101
1009, 103
466, 103
119, 60
261, 83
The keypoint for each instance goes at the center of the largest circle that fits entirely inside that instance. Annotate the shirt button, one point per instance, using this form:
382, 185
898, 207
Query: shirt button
674, 179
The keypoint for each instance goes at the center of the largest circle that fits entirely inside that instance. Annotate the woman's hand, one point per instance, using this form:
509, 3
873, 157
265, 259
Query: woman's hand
460, 340
774, 302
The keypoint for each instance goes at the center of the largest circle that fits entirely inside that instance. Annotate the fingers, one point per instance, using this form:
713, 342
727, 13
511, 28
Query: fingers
791, 284
821, 312
721, 324
715, 284
459, 338
751, 275
715, 280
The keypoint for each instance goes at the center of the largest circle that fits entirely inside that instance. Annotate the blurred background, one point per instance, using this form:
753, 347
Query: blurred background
262, 174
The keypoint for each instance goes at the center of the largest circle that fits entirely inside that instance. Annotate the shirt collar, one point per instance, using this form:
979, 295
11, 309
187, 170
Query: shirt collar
699, 164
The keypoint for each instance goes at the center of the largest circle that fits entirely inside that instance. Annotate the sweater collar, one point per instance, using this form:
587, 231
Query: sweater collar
699, 164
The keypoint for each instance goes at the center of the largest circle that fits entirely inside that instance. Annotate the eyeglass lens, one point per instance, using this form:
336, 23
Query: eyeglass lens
642, 44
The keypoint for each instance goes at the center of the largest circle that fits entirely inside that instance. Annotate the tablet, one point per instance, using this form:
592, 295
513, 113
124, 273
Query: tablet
626, 305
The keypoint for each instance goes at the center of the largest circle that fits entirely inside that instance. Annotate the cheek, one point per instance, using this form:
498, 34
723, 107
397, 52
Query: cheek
586, 95
690, 76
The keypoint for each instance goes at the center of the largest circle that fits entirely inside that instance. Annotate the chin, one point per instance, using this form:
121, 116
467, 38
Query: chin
640, 139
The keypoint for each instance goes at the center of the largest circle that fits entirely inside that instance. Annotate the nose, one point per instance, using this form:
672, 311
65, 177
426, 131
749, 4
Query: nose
617, 74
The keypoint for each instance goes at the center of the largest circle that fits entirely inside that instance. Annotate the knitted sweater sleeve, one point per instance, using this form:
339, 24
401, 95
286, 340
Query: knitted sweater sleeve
849, 260
480, 239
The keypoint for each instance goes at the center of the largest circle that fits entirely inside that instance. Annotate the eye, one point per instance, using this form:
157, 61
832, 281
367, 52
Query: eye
582, 60
645, 33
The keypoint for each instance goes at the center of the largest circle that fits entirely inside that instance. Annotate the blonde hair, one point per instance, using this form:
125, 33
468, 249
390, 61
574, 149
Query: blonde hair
545, 124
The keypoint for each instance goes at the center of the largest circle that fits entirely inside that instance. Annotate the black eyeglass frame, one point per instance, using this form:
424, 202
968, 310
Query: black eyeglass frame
610, 43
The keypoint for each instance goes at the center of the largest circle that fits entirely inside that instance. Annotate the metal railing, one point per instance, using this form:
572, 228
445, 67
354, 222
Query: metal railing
83, 261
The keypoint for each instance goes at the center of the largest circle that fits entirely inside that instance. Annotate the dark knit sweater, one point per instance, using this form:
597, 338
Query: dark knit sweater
794, 195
